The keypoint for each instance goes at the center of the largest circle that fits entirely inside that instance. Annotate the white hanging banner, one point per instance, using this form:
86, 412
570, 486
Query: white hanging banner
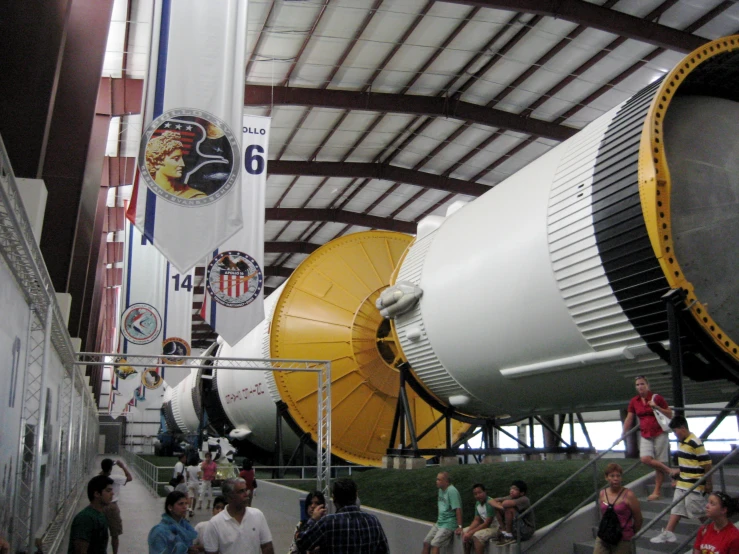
234, 278
187, 197
156, 320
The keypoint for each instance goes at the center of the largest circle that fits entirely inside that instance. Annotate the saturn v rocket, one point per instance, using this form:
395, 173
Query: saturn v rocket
542, 296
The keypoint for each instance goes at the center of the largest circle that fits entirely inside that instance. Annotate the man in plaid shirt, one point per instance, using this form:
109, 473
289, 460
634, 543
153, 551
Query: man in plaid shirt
348, 531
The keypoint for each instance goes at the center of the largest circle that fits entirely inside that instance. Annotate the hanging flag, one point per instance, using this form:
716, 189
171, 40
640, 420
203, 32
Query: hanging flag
156, 320
187, 195
234, 278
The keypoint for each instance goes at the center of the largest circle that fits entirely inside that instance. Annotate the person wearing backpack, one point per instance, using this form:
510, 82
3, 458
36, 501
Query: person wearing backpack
621, 515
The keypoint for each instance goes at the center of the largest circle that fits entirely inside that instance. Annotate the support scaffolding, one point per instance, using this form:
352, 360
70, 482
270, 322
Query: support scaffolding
56, 441
404, 433
321, 369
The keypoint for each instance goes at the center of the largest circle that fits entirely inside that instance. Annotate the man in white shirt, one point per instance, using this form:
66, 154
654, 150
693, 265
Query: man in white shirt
112, 511
238, 529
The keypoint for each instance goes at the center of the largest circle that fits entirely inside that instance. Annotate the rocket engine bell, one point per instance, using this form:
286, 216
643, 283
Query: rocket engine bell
544, 295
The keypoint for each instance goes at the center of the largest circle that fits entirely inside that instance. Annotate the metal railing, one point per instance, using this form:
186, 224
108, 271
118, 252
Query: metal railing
718, 467
157, 477
146, 471
597, 488
592, 463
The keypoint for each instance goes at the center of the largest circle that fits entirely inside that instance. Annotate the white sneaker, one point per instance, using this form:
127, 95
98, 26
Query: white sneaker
664, 536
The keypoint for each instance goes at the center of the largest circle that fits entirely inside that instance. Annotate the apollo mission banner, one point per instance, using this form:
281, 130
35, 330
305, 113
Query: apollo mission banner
156, 320
187, 199
234, 276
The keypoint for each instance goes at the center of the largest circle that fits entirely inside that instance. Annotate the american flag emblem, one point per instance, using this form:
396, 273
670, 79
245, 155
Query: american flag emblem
234, 279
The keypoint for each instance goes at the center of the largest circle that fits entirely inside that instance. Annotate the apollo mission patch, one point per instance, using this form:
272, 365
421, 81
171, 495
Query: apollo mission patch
141, 323
234, 279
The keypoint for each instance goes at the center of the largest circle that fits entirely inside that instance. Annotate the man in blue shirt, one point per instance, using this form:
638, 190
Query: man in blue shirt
348, 531
449, 521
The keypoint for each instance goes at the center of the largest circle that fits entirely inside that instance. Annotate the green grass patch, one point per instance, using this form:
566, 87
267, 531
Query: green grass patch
412, 493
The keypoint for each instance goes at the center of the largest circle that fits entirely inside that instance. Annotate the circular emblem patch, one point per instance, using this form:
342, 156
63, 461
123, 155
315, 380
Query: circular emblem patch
189, 157
151, 379
141, 323
123, 371
175, 346
234, 279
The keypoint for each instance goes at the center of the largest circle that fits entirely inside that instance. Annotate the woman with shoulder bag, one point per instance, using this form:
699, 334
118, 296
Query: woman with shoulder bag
654, 445
626, 506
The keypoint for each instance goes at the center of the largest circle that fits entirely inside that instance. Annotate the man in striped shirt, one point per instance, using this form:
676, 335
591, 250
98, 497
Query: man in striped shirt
693, 462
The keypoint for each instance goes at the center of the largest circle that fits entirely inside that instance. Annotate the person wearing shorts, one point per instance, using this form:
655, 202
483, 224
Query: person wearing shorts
449, 521
654, 447
507, 510
112, 511
693, 462
208, 469
484, 526
192, 478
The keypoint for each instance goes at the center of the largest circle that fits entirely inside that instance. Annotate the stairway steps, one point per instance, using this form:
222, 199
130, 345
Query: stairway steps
650, 510
588, 546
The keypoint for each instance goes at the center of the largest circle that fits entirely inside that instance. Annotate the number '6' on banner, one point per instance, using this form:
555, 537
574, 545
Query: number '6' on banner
234, 277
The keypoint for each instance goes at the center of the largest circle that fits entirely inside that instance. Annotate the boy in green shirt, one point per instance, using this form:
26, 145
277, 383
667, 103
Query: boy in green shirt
484, 526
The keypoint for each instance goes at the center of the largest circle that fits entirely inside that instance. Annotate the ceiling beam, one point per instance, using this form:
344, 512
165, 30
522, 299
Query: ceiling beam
277, 271
383, 172
340, 216
296, 247
598, 17
432, 106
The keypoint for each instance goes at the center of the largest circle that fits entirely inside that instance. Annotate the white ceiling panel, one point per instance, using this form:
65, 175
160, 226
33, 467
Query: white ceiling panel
727, 24
471, 151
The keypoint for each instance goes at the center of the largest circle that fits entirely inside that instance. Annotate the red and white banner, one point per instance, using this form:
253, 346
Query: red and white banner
234, 276
156, 320
187, 195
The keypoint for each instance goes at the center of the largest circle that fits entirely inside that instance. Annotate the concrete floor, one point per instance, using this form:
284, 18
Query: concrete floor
141, 510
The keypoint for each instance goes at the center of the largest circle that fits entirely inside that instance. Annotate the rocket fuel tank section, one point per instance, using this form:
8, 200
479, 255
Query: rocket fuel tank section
545, 293
542, 296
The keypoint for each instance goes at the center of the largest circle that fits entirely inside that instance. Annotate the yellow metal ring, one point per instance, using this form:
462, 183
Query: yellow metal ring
655, 185
327, 312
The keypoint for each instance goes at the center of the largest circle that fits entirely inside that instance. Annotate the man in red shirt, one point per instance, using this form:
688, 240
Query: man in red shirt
654, 443
208, 470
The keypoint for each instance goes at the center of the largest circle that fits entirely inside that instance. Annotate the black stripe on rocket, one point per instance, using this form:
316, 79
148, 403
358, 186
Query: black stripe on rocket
628, 259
